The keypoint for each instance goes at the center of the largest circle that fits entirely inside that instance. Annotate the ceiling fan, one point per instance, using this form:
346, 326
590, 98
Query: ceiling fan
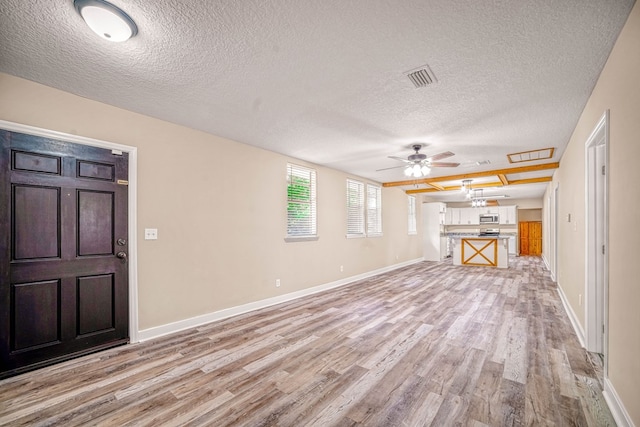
419, 164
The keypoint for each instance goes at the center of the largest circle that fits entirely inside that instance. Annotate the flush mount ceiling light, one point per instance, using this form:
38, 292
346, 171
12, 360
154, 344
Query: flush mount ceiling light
106, 20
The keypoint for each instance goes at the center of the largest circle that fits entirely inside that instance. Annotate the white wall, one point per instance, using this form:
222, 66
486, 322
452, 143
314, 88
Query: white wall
617, 90
221, 229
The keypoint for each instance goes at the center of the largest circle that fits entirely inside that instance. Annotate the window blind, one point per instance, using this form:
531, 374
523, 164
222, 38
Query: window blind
374, 210
301, 201
355, 208
412, 215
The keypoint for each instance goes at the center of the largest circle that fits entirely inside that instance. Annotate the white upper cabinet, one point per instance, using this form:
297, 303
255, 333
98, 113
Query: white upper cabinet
488, 210
469, 216
452, 216
462, 216
508, 215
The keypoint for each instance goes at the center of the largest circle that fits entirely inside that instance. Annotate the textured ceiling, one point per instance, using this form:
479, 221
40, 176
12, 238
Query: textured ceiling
326, 81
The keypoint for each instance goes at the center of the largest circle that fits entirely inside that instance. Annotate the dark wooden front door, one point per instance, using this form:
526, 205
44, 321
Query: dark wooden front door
63, 243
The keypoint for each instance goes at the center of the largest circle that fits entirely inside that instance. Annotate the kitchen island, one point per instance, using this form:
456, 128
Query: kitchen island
488, 251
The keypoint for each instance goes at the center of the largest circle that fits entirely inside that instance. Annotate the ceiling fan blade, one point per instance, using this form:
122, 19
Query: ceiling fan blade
394, 167
443, 164
400, 158
440, 156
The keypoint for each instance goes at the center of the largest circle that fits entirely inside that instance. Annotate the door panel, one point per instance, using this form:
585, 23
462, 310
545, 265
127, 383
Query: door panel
95, 223
32, 330
35, 162
35, 233
63, 290
96, 171
96, 311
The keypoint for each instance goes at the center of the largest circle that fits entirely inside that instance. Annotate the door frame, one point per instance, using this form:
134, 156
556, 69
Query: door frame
596, 299
132, 197
553, 233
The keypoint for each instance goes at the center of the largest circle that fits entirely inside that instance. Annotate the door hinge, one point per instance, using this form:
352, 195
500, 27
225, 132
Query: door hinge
602, 249
603, 328
119, 153
603, 166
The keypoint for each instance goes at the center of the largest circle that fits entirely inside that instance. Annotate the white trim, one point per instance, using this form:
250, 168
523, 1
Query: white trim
555, 221
133, 209
572, 316
192, 322
596, 306
546, 264
619, 412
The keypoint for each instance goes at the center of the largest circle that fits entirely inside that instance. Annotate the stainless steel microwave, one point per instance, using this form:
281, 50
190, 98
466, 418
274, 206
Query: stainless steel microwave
489, 218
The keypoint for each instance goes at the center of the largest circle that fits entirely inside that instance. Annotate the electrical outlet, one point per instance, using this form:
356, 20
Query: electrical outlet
277, 283
580, 300
341, 268
150, 234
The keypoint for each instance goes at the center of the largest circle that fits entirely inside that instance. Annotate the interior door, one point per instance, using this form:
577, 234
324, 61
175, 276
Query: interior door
530, 238
524, 238
63, 272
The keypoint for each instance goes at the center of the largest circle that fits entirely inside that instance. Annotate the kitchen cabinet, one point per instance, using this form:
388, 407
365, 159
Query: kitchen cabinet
434, 242
508, 215
462, 216
481, 251
469, 216
513, 249
452, 216
488, 210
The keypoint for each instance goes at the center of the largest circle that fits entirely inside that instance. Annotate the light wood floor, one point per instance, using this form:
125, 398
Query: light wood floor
426, 345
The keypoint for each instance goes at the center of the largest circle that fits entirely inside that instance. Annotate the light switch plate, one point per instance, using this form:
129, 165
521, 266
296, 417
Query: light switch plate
150, 234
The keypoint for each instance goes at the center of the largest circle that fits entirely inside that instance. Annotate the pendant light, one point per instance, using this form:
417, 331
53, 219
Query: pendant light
106, 20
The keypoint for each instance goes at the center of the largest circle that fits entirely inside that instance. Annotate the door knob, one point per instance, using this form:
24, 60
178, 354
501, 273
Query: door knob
122, 255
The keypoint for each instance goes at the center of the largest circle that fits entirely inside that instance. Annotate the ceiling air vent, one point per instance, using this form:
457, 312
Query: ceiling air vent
422, 77
530, 156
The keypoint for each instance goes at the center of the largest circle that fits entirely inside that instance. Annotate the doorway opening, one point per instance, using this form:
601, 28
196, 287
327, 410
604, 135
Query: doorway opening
597, 226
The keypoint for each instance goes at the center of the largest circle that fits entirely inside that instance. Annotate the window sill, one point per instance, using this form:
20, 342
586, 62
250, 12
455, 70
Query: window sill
291, 239
355, 236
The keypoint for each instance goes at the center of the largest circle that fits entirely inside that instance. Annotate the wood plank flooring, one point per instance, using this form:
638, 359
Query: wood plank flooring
426, 345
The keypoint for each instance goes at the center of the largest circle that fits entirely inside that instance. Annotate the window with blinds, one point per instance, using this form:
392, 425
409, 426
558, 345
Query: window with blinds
412, 215
355, 208
301, 201
374, 210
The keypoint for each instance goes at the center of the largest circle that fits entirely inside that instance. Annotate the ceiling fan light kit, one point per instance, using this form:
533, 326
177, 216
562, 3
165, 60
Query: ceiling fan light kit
417, 170
419, 165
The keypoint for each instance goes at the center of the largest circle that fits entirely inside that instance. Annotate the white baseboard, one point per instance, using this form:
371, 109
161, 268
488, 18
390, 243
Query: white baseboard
616, 407
546, 262
572, 316
192, 322
548, 267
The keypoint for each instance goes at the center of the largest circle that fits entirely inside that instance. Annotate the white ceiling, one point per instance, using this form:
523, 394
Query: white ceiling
326, 81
